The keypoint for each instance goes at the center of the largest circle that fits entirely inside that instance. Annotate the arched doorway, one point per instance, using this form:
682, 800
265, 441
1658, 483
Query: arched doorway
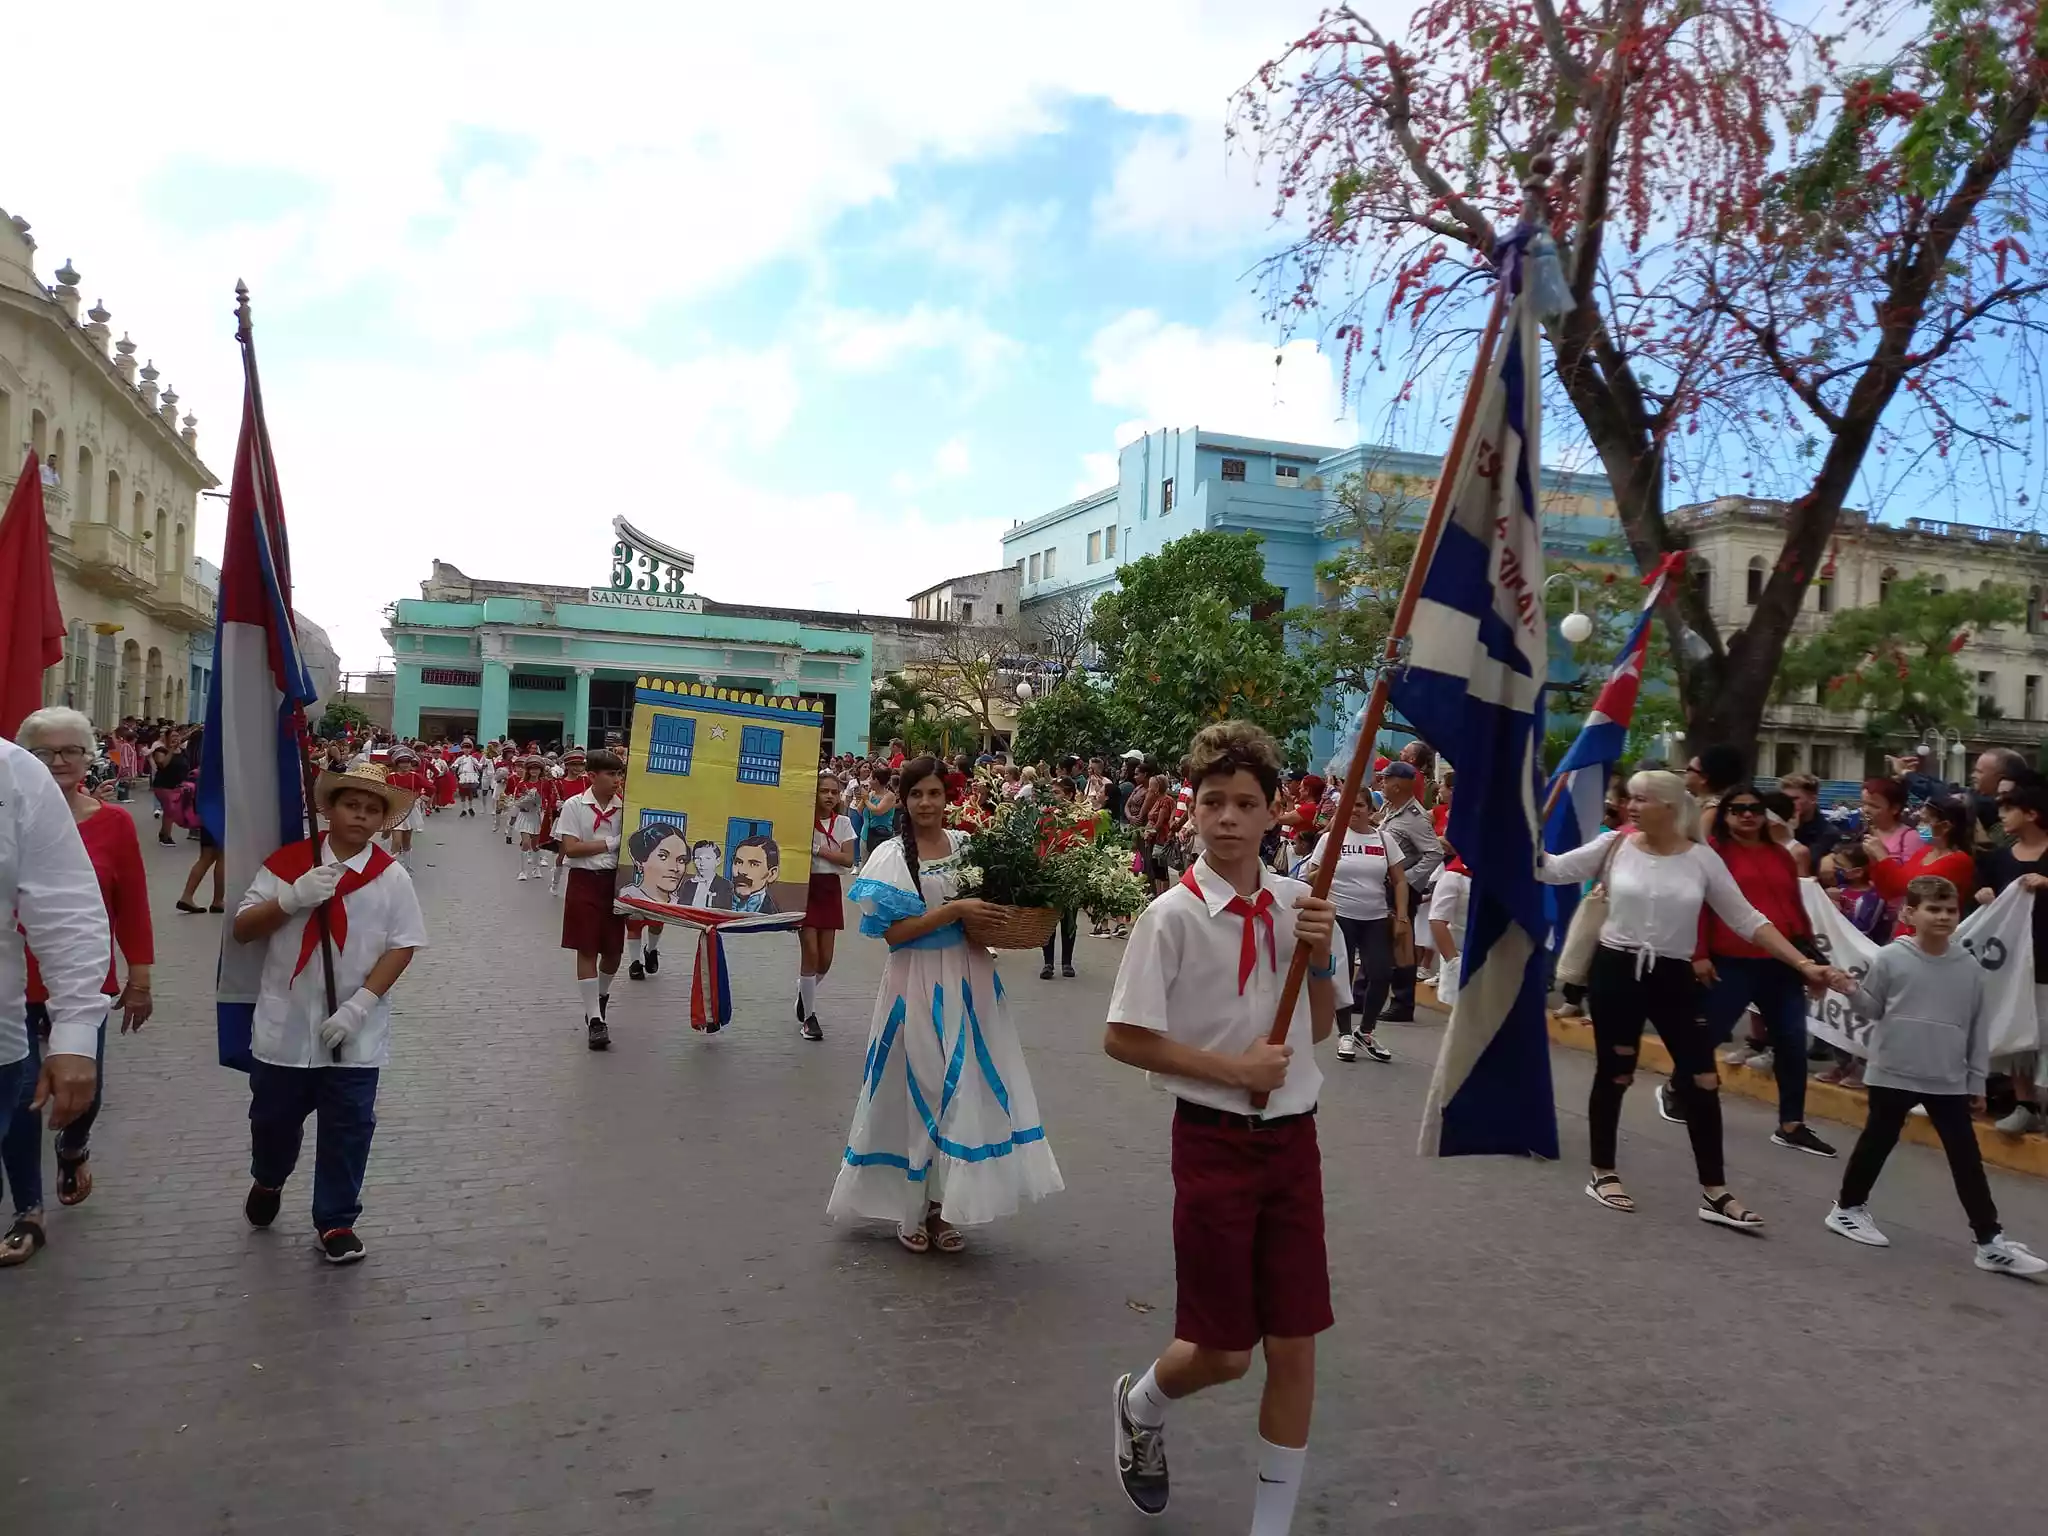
104, 693
153, 702
82, 484
131, 678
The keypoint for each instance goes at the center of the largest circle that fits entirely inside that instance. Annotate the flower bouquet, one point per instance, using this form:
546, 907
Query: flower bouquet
1032, 861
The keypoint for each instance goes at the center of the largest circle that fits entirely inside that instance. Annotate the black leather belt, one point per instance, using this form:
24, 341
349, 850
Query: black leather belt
1202, 1114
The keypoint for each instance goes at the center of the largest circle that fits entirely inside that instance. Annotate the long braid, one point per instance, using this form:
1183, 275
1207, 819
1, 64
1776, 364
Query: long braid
912, 771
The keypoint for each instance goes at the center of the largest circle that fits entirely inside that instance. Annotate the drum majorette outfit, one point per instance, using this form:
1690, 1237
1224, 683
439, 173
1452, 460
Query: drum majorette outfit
946, 1115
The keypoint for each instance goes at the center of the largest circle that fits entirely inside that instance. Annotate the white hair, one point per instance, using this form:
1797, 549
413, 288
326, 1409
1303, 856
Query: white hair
1669, 789
57, 720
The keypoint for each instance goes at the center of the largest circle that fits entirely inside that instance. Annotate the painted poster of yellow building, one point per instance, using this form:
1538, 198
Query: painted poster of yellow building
721, 791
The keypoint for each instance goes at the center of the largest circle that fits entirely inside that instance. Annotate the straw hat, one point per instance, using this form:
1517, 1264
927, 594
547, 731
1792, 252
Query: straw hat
368, 776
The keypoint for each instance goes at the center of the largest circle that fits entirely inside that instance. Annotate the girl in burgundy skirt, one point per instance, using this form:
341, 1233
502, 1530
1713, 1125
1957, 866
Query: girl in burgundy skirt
833, 847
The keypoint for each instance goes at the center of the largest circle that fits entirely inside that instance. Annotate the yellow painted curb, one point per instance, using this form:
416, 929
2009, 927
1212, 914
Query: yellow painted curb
1826, 1101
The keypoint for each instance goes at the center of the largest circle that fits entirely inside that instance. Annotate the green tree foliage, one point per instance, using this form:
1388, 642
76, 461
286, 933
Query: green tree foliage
897, 703
1073, 718
1344, 632
340, 719
1206, 663
1899, 658
1156, 588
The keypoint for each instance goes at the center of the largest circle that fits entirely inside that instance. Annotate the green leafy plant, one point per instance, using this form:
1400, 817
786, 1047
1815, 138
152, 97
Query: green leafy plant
1034, 853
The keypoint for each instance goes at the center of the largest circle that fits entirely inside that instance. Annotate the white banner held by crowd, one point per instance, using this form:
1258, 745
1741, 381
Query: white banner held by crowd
2001, 936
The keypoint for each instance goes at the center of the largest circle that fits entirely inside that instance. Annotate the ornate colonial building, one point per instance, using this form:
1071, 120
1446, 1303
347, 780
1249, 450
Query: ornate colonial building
121, 479
1736, 539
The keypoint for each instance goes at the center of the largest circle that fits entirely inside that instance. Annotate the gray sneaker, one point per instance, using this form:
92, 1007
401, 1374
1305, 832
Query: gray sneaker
1140, 1456
2021, 1122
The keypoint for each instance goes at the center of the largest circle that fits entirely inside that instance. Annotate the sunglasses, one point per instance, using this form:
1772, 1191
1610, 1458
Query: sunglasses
1746, 808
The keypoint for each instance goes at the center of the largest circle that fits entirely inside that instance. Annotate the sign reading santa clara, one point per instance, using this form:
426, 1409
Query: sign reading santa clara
666, 602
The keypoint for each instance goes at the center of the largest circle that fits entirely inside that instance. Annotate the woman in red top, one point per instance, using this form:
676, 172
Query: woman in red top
1738, 975
1942, 848
62, 739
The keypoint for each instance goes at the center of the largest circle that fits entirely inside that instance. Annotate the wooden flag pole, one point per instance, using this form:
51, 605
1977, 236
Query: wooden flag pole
268, 500
1404, 614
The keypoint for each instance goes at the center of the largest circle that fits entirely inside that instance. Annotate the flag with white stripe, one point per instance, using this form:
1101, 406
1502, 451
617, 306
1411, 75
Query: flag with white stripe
252, 786
1588, 764
1472, 685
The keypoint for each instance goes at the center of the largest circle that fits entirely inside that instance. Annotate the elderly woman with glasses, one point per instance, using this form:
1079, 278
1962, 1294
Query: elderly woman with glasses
1739, 976
63, 740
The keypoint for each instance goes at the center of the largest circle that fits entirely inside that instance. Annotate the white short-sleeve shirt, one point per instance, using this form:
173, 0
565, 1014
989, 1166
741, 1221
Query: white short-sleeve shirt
1180, 977
581, 818
839, 835
1358, 885
382, 916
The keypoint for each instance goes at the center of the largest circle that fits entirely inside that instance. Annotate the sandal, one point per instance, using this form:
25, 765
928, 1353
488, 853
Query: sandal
1606, 1188
1724, 1210
914, 1239
945, 1237
74, 1179
24, 1240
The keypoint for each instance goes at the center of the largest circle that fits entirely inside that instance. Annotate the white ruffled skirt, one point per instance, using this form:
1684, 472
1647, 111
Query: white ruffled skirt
946, 1113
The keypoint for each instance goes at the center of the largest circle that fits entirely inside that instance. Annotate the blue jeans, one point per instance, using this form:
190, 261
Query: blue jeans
1779, 997
344, 1100
21, 1141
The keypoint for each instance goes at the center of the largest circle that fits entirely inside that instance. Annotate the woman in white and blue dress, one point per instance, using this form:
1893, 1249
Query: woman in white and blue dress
946, 1131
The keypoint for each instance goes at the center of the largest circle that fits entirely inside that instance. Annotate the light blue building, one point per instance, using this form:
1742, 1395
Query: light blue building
1178, 481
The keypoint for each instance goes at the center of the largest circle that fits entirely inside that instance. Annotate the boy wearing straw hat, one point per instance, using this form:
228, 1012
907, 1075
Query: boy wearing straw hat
317, 1052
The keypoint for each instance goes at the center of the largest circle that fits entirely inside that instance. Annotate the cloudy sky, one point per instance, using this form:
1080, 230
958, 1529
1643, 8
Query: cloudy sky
827, 294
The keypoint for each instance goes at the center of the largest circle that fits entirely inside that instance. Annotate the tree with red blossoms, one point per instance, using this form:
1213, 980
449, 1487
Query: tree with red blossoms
1767, 245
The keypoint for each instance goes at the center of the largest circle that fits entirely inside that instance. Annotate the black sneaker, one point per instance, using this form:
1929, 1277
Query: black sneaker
1801, 1138
1668, 1107
1045, 974
636, 972
810, 1030
653, 961
1140, 1456
1067, 971
1374, 1049
342, 1246
261, 1206
600, 1035
508, 840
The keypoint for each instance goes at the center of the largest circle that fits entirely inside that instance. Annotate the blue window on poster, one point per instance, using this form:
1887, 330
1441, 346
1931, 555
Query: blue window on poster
680, 820
760, 755
670, 747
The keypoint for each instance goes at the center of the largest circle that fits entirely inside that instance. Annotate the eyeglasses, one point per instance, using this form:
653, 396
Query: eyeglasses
49, 755
1747, 808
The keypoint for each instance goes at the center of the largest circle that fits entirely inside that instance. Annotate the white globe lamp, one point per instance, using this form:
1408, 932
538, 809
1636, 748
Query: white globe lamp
1576, 628
1023, 693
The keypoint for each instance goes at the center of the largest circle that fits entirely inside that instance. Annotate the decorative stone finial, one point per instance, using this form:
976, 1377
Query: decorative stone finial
97, 318
124, 359
67, 290
149, 378
21, 228
190, 435
170, 406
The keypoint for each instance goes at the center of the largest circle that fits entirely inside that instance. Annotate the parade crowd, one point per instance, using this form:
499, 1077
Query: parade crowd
1691, 921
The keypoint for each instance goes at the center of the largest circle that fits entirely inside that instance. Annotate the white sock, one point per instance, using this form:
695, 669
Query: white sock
807, 994
1279, 1486
1146, 1402
604, 983
587, 986
651, 940
633, 947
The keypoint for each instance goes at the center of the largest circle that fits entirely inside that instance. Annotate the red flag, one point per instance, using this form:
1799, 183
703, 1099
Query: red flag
32, 631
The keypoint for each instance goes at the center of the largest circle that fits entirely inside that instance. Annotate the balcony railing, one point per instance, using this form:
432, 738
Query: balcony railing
182, 603
109, 559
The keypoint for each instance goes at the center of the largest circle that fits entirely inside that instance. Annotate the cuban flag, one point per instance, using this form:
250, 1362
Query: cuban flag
1578, 790
252, 795
1472, 685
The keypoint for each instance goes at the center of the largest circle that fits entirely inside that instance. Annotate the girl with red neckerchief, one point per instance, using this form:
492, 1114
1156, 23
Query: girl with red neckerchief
833, 847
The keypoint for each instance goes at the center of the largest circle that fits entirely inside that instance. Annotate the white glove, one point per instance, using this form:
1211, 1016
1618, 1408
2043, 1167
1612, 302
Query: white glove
316, 885
611, 844
347, 1021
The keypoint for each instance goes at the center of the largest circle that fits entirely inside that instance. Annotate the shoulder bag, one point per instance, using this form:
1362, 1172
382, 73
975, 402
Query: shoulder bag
1582, 938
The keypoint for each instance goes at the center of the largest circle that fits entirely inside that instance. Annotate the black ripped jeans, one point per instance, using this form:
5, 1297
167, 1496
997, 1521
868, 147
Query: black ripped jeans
1621, 1002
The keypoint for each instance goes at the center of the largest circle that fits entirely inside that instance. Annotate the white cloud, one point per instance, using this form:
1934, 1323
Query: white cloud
1098, 472
990, 253
1177, 375
1180, 188
861, 341
951, 461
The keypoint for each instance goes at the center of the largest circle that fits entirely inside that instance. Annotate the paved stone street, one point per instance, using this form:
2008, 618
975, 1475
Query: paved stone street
602, 1296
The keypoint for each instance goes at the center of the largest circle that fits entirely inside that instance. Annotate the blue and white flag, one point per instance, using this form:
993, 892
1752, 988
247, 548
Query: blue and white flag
251, 795
1588, 764
1472, 686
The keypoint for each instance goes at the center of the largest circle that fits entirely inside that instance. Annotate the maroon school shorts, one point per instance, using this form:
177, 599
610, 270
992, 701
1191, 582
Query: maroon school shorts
822, 906
1248, 1255
589, 925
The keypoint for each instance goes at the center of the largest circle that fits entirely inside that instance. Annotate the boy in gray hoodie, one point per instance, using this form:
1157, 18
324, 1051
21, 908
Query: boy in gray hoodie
1927, 1046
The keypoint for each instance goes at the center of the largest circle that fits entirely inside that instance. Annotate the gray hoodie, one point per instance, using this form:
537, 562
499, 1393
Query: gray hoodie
1929, 1035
